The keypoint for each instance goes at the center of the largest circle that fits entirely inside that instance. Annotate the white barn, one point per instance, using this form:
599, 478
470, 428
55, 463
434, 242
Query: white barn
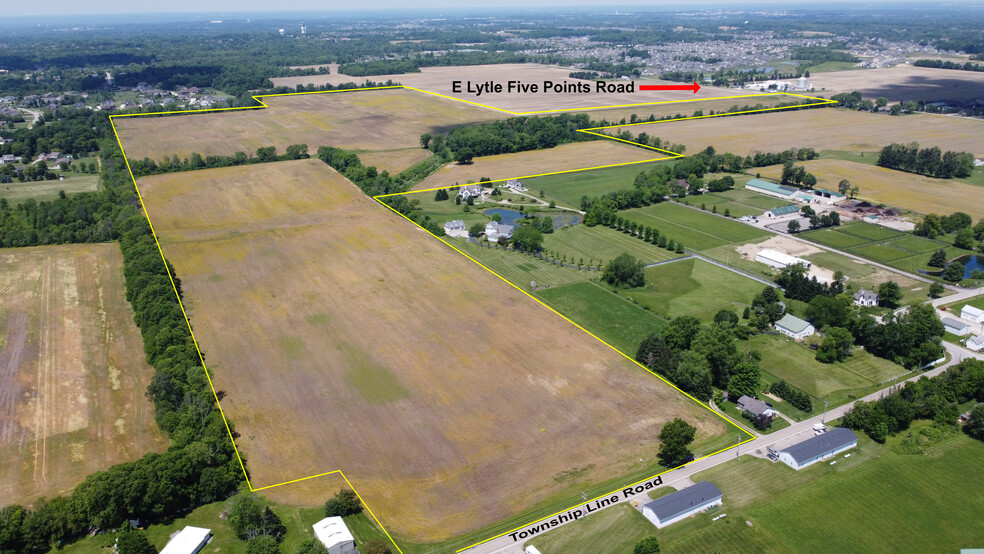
681, 504
334, 534
971, 313
189, 541
794, 327
956, 327
779, 260
818, 448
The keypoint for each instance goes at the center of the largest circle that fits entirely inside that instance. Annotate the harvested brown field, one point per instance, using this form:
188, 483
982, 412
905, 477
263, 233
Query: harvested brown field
895, 188
566, 157
394, 161
347, 338
902, 82
821, 128
439, 79
72, 370
362, 120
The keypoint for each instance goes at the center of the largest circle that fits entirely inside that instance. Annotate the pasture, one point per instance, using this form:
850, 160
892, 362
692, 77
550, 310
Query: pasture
74, 183
738, 201
569, 157
820, 128
697, 230
609, 316
861, 374
344, 337
72, 371
898, 249
615, 530
907, 191
378, 120
694, 287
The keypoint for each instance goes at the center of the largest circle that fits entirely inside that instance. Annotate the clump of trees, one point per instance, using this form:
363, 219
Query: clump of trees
625, 272
926, 161
791, 394
517, 134
674, 443
344, 503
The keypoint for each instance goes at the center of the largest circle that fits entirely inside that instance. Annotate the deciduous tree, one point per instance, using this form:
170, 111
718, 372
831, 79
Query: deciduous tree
675, 438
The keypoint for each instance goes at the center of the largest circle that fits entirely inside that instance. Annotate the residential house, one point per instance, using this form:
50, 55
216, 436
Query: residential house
456, 228
818, 448
755, 406
976, 343
514, 184
495, 230
682, 504
467, 191
794, 327
107, 105
866, 297
9, 159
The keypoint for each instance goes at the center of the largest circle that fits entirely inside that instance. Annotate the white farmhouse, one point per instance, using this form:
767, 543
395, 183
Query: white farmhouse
818, 448
794, 327
495, 230
779, 260
971, 313
456, 228
189, 541
976, 343
467, 191
334, 534
866, 297
681, 504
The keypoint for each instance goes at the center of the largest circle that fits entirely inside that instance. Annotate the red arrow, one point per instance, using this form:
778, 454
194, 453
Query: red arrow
694, 87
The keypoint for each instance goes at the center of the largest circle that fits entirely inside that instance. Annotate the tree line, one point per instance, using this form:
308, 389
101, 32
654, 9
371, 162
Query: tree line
926, 161
200, 466
946, 64
265, 154
517, 134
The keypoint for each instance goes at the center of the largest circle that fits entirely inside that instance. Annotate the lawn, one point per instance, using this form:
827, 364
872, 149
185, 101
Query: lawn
601, 244
694, 287
521, 269
732, 411
977, 302
884, 253
738, 201
610, 317
696, 229
298, 522
837, 383
833, 238
74, 183
570, 187
615, 530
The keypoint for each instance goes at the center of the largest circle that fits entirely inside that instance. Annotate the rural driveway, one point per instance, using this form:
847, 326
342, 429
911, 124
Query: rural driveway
680, 478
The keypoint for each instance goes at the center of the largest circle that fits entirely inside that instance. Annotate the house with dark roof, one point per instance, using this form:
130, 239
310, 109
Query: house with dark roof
755, 406
866, 297
681, 504
818, 448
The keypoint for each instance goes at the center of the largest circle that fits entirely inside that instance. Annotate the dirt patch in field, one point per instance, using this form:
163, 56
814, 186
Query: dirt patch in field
346, 338
566, 157
788, 246
67, 328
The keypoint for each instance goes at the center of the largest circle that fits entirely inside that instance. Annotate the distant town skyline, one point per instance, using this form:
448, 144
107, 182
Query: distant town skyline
121, 7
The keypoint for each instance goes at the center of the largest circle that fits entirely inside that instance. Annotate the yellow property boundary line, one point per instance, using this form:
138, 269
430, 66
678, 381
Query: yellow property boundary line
592, 131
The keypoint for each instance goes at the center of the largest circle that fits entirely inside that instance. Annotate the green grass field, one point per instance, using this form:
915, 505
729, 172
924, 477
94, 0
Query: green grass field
878, 500
609, 316
694, 287
977, 302
568, 188
836, 383
904, 251
298, 522
74, 183
614, 531
738, 201
521, 269
696, 229
601, 244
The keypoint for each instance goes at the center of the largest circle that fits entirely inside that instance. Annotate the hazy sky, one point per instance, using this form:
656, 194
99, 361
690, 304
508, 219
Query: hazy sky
67, 7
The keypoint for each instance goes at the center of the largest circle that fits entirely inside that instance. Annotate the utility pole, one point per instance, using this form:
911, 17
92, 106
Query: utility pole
823, 418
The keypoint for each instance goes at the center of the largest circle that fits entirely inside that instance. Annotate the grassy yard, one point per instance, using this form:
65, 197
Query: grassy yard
977, 302
696, 229
601, 244
609, 316
862, 275
521, 269
869, 498
732, 411
836, 383
615, 531
694, 287
738, 201
297, 520
74, 183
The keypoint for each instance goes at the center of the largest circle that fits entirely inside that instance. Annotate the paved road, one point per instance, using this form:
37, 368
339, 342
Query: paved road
734, 269
680, 478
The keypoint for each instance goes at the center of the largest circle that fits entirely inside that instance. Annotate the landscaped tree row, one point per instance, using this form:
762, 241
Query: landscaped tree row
147, 166
927, 161
200, 465
938, 399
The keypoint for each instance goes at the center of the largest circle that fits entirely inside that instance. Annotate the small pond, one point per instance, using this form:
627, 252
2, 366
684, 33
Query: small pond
971, 263
560, 219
